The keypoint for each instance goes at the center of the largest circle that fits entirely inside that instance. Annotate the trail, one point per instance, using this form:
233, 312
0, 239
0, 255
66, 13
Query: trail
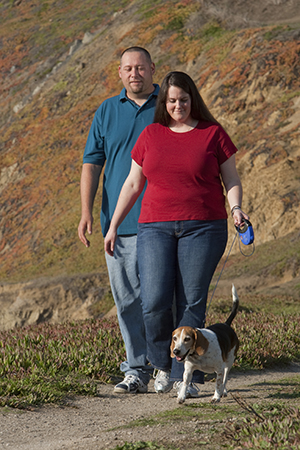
98, 423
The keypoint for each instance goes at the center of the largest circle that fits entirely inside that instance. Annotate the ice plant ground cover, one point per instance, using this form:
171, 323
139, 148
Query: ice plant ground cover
50, 363
47, 362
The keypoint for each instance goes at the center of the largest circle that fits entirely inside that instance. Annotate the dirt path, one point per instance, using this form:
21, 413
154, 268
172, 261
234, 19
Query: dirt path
87, 424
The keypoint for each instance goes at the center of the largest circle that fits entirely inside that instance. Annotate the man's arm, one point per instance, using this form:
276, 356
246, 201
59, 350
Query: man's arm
88, 187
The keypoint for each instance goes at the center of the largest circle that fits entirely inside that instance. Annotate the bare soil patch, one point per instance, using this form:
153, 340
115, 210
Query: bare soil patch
105, 422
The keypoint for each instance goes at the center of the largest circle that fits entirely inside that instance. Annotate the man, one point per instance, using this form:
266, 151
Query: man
116, 126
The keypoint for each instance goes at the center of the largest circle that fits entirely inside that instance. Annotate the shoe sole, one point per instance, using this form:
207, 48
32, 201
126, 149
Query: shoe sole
192, 396
162, 391
142, 390
123, 391
137, 391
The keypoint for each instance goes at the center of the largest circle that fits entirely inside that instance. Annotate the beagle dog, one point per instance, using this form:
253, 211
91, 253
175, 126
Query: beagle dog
211, 349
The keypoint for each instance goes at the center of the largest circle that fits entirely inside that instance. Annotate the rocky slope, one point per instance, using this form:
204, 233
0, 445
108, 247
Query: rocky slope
59, 61
54, 299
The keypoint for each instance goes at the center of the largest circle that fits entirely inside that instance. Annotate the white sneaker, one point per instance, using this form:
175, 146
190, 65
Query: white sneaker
162, 383
131, 385
192, 390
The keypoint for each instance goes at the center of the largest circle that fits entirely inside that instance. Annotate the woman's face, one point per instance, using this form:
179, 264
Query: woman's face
178, 105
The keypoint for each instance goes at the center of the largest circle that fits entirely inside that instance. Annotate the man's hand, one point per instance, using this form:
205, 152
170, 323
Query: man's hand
88, 187
85, 225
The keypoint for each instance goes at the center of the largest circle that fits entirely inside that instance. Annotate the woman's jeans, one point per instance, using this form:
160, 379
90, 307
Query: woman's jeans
180, 258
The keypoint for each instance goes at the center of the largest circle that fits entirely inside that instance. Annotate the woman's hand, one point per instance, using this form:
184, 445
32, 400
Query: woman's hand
132, 187
110, 240
238, 216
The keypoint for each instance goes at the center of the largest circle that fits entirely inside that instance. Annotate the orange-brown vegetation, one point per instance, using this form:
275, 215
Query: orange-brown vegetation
248, 75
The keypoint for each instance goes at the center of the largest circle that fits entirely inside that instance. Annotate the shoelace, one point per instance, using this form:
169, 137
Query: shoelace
132, 378
161, 373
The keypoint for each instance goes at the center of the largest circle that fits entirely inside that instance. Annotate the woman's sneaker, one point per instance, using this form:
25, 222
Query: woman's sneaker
192, 390
131, 385
162, 383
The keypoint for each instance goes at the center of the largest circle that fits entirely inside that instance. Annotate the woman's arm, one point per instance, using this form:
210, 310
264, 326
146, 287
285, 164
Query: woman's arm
234, 190
132, 188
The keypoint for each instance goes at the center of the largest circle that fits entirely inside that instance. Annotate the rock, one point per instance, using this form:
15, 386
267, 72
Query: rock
74, 46
87, 38
55, 300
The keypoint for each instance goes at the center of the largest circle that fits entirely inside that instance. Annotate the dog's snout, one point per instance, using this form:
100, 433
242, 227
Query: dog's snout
176, 351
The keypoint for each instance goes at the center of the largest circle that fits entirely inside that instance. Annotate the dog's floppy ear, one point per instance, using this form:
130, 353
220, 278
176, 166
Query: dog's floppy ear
201, 343
172, 346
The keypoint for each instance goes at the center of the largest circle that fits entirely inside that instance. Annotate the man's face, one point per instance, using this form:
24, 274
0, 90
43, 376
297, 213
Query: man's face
136, 73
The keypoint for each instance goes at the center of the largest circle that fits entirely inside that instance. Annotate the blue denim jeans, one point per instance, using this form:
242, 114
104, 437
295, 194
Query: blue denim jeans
125, 286
176, 257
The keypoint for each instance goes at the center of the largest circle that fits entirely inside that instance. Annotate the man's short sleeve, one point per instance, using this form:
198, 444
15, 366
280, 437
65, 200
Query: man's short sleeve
94, 149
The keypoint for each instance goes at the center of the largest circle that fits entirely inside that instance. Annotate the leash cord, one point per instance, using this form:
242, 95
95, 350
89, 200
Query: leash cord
220, 276
244, 254
223, 269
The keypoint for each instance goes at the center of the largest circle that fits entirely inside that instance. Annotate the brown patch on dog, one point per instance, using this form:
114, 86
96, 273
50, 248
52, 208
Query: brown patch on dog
201, 343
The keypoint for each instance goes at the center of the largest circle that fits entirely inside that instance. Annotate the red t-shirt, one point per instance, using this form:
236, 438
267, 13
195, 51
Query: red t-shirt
183, 172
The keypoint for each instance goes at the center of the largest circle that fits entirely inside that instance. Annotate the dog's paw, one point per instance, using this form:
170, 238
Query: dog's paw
215, 400
180, 400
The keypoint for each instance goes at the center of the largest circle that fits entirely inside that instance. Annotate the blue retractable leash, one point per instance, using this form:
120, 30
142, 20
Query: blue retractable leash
246, 234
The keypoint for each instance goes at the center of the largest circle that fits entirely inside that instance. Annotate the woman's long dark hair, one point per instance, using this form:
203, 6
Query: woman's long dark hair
199, 110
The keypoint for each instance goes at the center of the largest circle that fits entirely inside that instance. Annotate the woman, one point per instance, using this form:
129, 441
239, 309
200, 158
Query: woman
185, 155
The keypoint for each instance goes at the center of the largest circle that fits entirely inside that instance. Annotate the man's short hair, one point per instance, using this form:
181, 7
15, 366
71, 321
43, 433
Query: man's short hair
137, 49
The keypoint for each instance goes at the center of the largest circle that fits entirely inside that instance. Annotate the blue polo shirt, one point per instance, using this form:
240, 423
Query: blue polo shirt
117, 124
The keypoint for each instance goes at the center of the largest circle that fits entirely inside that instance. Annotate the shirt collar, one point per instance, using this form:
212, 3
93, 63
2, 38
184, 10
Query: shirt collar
123, 97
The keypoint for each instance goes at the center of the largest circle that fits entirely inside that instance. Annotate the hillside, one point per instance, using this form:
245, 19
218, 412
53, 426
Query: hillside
59, 60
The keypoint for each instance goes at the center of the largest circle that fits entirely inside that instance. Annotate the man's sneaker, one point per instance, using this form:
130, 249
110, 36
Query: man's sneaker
192, 390
131, 385
162, 383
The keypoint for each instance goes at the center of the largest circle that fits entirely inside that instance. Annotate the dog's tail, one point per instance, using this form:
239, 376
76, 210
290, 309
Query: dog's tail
235, 306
